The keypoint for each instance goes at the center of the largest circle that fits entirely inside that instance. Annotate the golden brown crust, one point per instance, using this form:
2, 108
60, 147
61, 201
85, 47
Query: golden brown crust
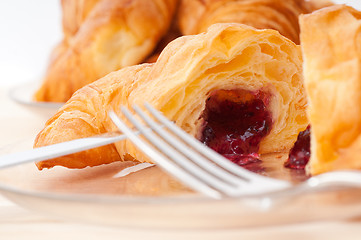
74, 14
114, 34
228, 56
85, 115
197, 15
331, 43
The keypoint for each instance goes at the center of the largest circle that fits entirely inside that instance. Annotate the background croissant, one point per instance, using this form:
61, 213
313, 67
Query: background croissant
196, 16
101, 36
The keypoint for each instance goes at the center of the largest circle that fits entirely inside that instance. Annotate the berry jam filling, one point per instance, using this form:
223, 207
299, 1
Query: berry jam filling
300, 152
235, 123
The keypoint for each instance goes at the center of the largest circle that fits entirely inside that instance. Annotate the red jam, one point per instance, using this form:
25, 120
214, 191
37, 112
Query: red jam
235, 123
300, 152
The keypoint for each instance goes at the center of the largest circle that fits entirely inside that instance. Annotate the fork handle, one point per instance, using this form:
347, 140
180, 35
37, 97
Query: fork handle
335, 180
59, 149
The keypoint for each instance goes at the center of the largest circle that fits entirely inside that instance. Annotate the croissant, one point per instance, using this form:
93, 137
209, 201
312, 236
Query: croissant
196, 16
100, 37
230, 82
331, 44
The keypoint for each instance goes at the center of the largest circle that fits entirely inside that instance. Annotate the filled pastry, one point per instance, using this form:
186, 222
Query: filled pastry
100, 37
331, 46
237, 89
196, 16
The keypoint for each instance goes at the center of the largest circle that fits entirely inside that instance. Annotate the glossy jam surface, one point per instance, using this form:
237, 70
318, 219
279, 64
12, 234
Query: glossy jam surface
300, 152
235, 123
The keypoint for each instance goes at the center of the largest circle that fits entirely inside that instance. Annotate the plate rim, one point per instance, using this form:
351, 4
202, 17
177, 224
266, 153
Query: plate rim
29, 88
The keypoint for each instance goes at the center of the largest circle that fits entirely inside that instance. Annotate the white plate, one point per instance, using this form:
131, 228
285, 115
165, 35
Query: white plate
151, 199
23, 94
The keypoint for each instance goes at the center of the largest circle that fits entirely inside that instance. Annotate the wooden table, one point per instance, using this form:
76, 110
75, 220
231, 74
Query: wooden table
19, 223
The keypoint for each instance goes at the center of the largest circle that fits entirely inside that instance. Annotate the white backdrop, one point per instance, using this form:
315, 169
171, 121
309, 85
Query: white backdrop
29, 29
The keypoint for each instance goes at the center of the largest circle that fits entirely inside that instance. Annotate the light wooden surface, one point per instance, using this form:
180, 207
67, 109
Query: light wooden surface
19, 223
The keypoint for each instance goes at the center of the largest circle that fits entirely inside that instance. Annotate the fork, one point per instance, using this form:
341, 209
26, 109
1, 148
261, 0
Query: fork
204, 170
189, 160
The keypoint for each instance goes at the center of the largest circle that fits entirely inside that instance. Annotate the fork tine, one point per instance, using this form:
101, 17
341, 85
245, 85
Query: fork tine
179, 158
159, 158
215, 157
189, 152
211, 154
